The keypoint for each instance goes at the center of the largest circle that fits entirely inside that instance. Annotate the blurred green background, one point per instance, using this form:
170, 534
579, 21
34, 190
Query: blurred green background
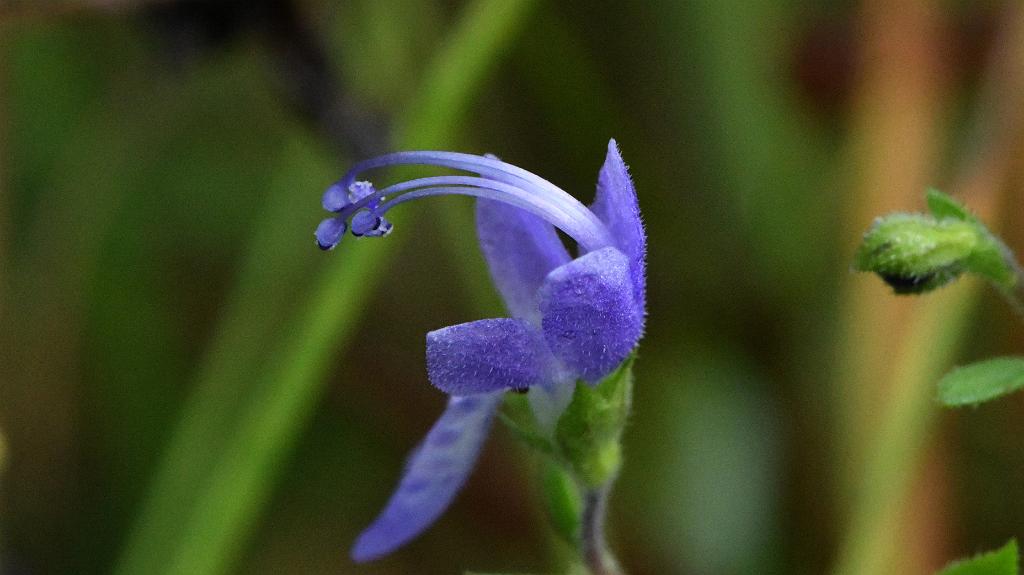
187, 385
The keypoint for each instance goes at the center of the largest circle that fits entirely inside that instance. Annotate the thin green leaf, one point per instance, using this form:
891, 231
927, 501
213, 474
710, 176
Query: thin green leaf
982, 381
1004, 561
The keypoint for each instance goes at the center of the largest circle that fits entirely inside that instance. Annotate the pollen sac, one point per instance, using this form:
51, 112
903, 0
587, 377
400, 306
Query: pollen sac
367, 224
338, 197
329, 232
335, 198
359, 190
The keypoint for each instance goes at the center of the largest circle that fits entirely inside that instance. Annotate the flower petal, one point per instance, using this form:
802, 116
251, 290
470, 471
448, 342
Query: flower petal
591, 320
616, 205
486, 355
435, 473
520, 249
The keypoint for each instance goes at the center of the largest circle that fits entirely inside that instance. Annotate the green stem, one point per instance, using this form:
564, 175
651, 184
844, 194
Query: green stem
1015, 295
596, 555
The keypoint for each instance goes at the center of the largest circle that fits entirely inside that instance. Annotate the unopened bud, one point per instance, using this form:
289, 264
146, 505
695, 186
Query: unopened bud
915, 253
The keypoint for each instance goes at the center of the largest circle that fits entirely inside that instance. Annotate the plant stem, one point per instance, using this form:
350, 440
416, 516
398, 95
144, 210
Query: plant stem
1015, 295
596, 555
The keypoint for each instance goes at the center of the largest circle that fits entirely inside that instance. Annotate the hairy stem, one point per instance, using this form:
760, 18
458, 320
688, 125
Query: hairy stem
596, 555
1015, 295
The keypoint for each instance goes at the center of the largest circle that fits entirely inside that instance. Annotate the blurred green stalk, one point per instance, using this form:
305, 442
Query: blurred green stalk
896, 449
204, 500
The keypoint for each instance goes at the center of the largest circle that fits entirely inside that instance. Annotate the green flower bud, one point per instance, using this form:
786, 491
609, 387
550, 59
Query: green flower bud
915, 253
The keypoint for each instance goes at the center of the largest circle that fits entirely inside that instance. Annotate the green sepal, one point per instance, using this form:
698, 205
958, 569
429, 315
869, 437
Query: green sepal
944, 206
1004, 561
518, 418
992, 259
563, 502
982, 381
588, 432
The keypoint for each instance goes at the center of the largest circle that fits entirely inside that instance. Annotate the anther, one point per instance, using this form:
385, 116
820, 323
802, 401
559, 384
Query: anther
329, 232
366, 223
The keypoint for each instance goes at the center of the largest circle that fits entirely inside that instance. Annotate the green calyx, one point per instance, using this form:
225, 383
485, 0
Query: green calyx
583, 453
589, 431
916, 253
586, 439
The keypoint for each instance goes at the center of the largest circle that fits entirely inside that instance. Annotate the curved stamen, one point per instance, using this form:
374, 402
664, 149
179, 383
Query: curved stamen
495, 180
489, 167
336, 198
570, 226
573, 218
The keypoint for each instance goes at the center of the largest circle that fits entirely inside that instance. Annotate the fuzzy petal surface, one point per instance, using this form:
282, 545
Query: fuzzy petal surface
616, 205
520, 249
435, 473
486, 355
591, 320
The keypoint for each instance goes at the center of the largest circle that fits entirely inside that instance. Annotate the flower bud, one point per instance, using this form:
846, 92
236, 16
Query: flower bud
915, 253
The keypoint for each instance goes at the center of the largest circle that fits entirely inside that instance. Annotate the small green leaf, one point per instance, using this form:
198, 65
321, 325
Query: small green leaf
564, 505
982, 381
588, 432
944, 206
1001, 562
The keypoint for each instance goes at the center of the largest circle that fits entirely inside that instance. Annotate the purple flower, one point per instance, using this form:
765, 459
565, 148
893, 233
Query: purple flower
572, 319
